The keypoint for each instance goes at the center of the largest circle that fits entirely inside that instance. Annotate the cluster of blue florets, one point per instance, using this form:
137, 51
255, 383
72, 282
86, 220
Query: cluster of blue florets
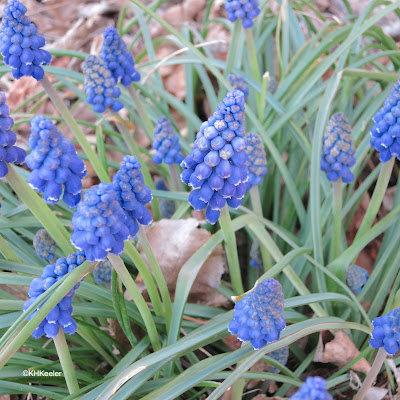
281, 355
258, 317
167, 207
102, 272
61, 314
256, 260
314, 388
216, 168
54, 164
338, 149
44, 245
117, 58
20, 44
132, 194
166, 143
356, 278
99, 224
246, 10
238, 83
256, 160
385, 134
100, 87
386, 332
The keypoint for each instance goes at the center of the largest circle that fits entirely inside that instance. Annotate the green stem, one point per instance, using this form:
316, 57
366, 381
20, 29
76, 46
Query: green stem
7, 251
138, 299
231, 250
158, 274
176, 182
255, 70
66, 362
40, 210
76, 130
263, 97
337, 219
232, 54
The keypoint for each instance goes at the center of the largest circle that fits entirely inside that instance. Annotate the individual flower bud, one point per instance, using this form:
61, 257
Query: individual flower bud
44, 245
246, 10
238, 83
281, 355
167, 207
314, 388
356, 278
256, 162
102, 272
386, 332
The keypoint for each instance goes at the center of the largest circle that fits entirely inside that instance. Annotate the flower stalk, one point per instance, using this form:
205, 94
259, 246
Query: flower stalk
337, 218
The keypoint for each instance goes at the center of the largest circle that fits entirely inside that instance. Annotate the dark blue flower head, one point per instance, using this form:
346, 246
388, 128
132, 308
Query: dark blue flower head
256, 162
132, 194
338, 150
61, 314
246, 10
216, 168
238, 83
314, 388
386, 332
44, 245
385, 134
100, 87
167, 207
102, 272
166, 143
356, 278
117, 57
255, 255
54, 164
20, 44
281, 355
99, 224
258, 317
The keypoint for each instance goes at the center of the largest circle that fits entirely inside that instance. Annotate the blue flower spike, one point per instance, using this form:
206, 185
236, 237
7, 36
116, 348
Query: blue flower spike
20, 44
314, 388
54, 163
386, 332
256, 160
238, 83
61, 314
100, 87
99, 224
338, 150
102, 272
166, 143
246, 10
167, 207
258, 317
216, 168
117, 58
356, 278
255, 255
281, 355
132, 194
44, 245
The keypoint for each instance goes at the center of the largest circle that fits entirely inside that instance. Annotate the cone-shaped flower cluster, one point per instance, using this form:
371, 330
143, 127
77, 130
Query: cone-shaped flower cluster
255, 255
338, 150
54, 164
61, 314
281, 355
356, 277
166, 143
102, 272
256, 160
216, 168
386, 332
258, 317
132, 194
246, 10
20, 44
167, 207
385, 134
100, 87
238, 83
99, 224
117, 57
314, 388
44, 245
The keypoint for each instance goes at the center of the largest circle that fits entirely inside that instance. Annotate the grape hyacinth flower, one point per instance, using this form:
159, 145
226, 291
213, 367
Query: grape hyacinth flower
61, 314
117, 58
356, 278
238, 83
20, 44
99, 224
338, 149
281, 355
246, 10
386, 332
132, 194
44, 245
216, 168
167, 207
258, 317
100, 87
255, 255
256, 160
102, 272
54, 164
166, 143
314, 388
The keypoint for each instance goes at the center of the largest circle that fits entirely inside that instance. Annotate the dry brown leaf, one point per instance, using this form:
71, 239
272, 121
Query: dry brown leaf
232, 342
